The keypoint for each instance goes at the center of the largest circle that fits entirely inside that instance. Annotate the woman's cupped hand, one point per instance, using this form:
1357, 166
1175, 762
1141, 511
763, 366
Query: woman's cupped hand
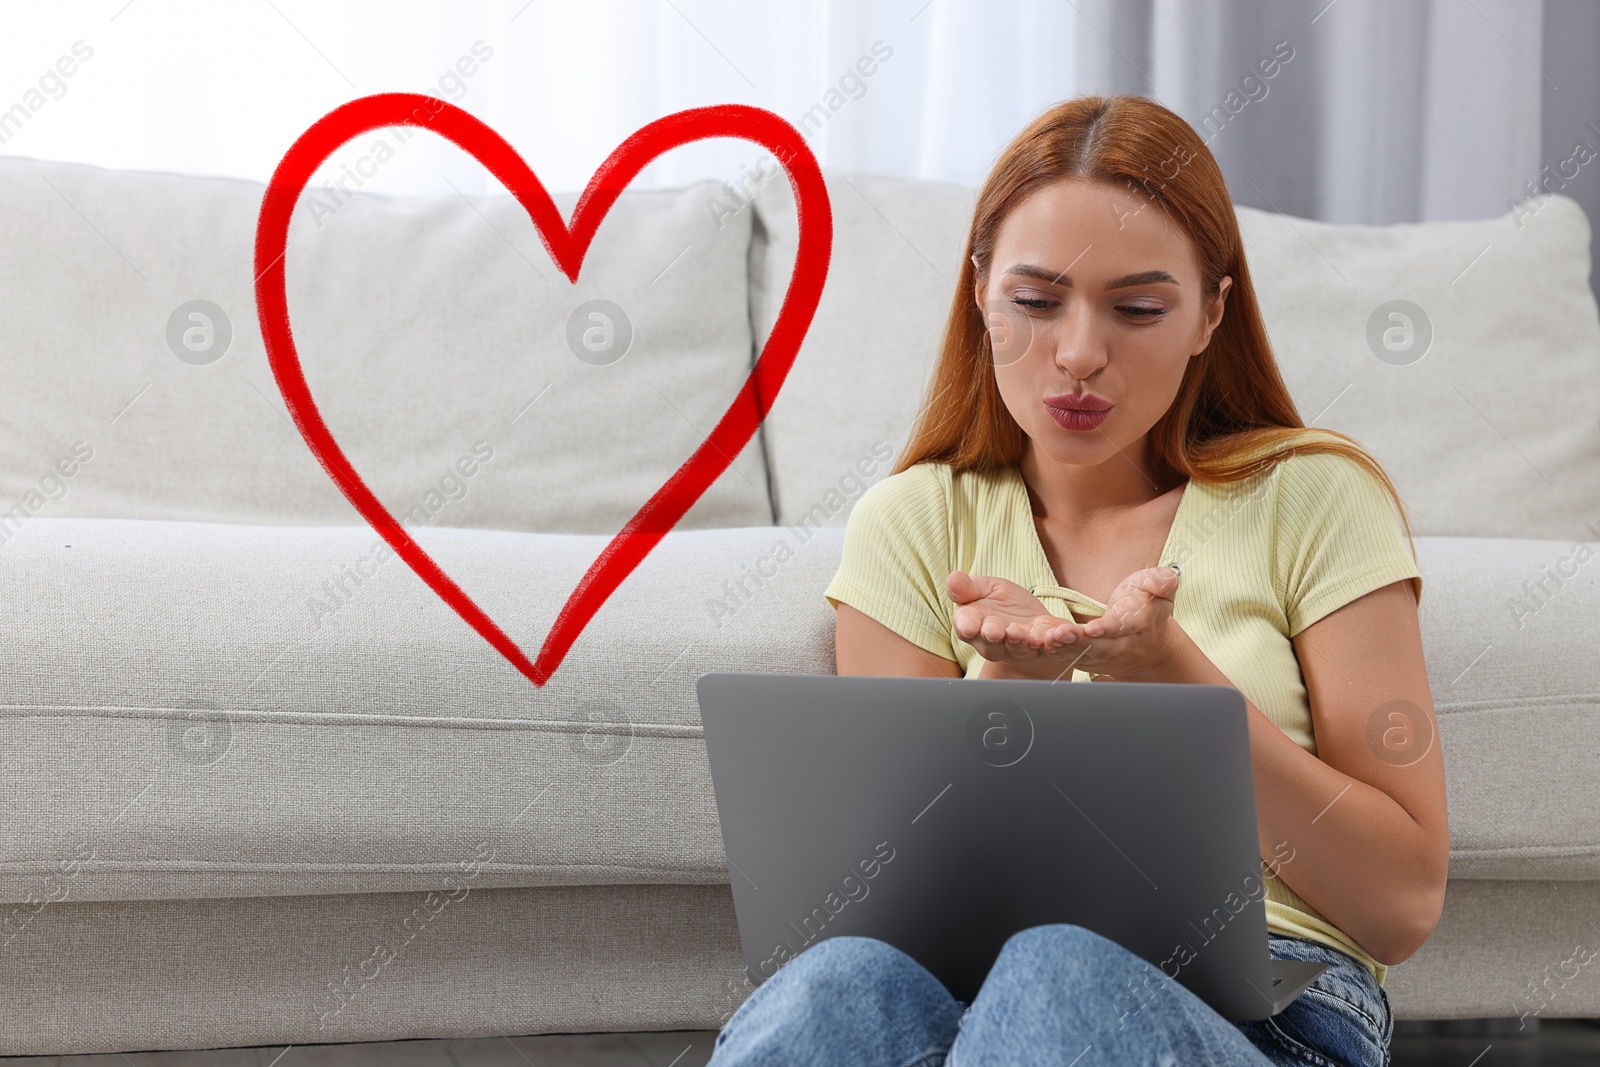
1006, 624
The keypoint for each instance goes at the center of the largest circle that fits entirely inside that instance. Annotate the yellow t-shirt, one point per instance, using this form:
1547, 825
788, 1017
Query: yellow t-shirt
1262, 558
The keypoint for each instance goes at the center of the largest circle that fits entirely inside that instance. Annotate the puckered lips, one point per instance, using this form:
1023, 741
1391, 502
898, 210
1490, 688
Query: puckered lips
1078, 411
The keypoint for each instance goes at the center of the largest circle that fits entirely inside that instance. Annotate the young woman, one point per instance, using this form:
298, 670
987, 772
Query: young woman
1109, 480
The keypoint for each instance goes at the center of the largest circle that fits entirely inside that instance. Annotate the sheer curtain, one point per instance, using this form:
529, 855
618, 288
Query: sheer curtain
1387, 111
197, 87
1375, 111
1378, 112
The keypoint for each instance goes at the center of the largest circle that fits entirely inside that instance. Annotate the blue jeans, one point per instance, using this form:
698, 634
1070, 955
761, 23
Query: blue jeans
1057, 994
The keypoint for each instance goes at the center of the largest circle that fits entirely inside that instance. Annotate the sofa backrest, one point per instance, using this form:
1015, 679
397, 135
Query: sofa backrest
847, 406
1494, 431
446, 352
1489, 428
447, 355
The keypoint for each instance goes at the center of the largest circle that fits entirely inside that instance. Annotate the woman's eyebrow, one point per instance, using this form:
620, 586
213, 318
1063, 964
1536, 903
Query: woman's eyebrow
1054, 277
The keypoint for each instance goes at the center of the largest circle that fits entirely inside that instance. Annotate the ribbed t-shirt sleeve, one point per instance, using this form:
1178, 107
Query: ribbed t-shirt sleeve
895, 558
1338, 537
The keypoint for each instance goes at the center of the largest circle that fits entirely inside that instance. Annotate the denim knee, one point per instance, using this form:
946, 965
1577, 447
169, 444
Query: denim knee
841, 999
1062, 978
857, 959
1068, 955
1056, 942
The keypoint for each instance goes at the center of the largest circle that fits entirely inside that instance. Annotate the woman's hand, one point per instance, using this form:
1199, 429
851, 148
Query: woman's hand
1002, 621
1135, 635
1005, 623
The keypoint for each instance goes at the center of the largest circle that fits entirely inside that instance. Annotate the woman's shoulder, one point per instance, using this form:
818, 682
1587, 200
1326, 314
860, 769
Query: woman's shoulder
1314, 465
1314, 478
1338, 536
923, 478
936, 486
931, 501
917, 497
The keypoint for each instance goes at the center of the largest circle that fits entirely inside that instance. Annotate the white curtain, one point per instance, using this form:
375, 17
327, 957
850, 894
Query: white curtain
1376, 111
199, 86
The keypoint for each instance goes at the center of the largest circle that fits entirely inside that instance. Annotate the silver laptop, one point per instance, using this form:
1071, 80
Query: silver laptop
944, 815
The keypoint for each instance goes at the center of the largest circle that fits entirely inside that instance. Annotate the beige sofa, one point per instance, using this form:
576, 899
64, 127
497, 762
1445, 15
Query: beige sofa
263, 787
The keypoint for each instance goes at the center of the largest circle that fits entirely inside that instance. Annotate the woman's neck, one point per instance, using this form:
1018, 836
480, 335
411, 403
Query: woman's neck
1074, 495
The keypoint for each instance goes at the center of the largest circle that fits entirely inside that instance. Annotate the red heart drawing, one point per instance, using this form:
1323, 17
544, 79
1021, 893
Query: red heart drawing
567, 248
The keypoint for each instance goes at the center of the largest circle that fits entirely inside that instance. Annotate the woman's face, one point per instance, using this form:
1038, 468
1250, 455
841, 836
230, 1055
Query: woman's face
1093, 291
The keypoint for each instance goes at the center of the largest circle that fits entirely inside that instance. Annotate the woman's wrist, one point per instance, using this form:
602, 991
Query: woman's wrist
994, 668
1170, 660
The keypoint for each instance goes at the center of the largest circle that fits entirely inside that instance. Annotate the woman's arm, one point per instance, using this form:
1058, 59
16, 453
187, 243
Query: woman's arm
1365, 819
863, 645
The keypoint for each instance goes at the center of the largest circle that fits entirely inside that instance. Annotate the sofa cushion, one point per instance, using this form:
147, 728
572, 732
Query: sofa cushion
1494, 432
199, 710
1509, 630
427, 328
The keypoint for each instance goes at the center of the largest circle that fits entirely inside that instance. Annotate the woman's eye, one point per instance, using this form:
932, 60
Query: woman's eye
1135, 310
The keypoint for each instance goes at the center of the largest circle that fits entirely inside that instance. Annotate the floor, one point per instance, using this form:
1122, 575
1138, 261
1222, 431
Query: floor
1556, 1043
668, 1048
1496, 1043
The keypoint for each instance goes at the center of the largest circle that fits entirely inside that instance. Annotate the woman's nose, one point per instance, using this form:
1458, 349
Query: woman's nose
1079, 342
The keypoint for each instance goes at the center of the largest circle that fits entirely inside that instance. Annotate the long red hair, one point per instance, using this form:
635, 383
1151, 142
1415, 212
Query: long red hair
1233, 415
